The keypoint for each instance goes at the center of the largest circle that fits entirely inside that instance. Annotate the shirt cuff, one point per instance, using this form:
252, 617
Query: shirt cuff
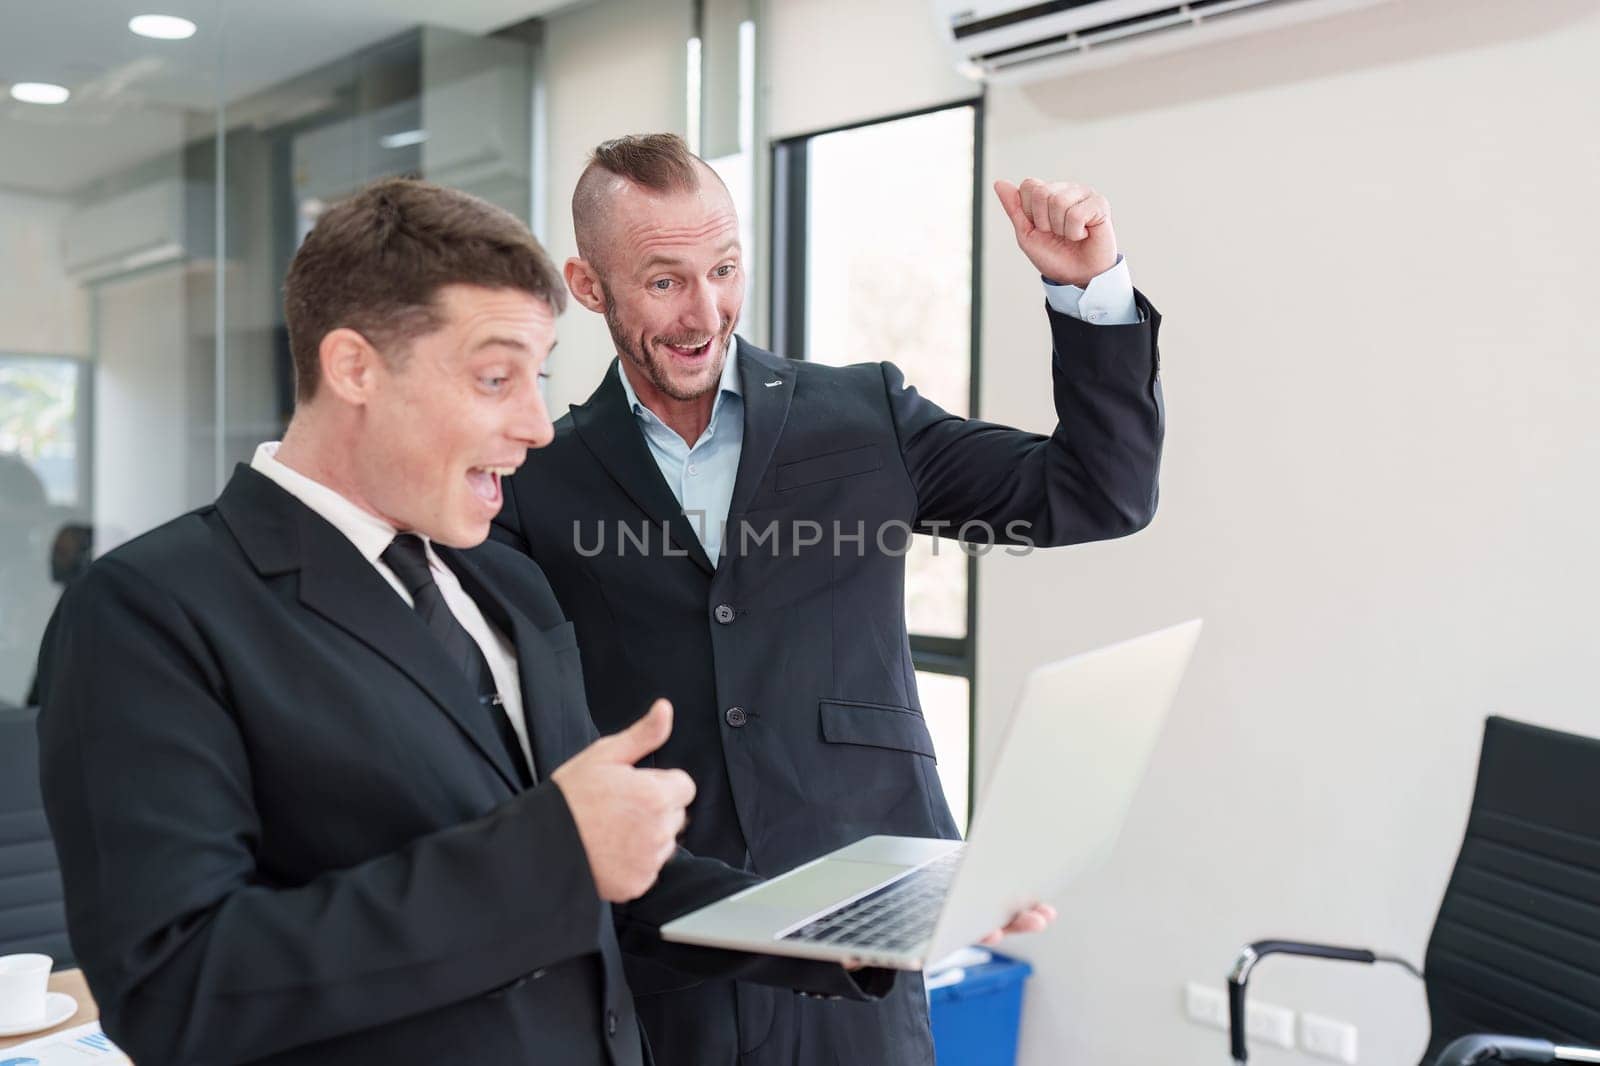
1107, 301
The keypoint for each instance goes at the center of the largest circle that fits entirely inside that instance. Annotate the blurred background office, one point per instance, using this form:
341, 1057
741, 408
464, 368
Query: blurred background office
1371, 227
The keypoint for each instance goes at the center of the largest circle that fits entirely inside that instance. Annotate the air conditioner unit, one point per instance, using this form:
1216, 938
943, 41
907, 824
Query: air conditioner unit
477, 128
1010, 40
165, 221
333, 160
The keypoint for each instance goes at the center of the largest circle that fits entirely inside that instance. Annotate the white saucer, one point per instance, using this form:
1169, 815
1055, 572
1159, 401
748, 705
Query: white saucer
58, 1007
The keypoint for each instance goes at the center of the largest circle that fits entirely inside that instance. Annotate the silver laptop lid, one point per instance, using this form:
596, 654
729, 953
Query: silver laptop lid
1055, 800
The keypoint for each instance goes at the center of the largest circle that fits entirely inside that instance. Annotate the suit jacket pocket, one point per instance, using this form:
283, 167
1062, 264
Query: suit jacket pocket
876, 725
828, 467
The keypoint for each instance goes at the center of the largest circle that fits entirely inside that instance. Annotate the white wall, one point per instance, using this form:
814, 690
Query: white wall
834, 62
612, 68
1374, 242
145, 435
1374, 239
42, 311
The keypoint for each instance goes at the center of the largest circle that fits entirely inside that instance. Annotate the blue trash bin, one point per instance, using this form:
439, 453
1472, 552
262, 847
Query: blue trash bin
975, 1020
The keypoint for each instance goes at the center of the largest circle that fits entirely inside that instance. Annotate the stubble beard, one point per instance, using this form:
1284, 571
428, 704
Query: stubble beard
641, 353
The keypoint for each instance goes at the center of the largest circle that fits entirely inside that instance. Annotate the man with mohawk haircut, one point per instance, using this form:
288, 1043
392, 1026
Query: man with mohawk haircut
683, 515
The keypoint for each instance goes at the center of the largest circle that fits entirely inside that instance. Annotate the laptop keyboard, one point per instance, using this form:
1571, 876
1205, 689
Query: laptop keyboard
897, 917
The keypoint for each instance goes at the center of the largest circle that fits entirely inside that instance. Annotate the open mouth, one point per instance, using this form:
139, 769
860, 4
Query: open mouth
485, 482
688, 352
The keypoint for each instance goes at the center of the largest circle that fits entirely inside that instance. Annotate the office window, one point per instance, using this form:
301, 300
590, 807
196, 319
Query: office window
41, 487
873, 260
947, 707
41, 423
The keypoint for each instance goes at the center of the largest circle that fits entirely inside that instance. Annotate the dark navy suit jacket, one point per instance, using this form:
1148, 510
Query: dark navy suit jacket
789, 663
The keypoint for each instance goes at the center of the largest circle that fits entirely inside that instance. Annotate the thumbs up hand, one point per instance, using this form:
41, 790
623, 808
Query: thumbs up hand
628, 819
1064, 229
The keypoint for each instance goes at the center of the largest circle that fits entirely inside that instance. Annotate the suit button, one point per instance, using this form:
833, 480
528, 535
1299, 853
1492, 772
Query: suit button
723, 613
611, 1023
736, 717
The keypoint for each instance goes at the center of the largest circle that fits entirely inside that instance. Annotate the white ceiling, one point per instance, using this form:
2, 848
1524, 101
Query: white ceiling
135, 98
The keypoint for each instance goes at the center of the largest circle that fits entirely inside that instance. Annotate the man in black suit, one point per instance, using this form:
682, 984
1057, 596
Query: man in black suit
780, 635
318, 761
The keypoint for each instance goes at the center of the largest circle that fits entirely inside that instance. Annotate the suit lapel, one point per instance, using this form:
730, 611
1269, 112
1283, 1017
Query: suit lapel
281, 534
537, 668
766, 410
610, 430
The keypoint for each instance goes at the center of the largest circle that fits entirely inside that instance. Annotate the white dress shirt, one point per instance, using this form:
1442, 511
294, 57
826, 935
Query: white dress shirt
371, 535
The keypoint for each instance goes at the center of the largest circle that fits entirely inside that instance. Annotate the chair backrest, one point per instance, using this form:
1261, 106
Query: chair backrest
32, 917
1516, 947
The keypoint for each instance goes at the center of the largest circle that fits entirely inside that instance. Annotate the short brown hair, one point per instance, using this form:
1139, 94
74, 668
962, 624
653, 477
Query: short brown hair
375, 263
660, 162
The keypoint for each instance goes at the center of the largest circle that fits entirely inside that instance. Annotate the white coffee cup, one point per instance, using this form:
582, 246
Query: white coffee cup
24, 980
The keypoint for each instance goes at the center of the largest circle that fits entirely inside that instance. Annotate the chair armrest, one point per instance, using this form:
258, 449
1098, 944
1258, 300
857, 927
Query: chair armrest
1479, 1048
1249, 956
1483, 1047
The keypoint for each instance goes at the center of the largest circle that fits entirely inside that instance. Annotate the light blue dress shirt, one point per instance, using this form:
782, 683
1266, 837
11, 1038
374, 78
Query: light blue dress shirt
1108, 300
701, 475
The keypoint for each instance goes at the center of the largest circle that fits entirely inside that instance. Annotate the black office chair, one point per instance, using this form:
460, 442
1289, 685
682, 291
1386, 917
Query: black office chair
32, 917
1516, 946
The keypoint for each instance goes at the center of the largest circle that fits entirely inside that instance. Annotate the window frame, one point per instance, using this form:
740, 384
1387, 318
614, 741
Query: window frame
787, 297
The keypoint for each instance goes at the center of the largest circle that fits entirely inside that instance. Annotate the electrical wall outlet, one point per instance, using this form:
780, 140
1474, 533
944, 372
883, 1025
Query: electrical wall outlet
1206, 1005
1269, 1024
1327, 1038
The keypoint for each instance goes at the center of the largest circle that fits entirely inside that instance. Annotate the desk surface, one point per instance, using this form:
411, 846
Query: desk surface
72, 983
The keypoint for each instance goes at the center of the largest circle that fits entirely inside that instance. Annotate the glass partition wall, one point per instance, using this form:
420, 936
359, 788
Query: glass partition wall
152, 192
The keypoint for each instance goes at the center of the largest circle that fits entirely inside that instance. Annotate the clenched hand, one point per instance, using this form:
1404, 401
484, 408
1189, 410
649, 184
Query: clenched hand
1063, 228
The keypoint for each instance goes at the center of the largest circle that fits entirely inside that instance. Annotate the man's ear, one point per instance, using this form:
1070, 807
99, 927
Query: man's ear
350, 365
583, 281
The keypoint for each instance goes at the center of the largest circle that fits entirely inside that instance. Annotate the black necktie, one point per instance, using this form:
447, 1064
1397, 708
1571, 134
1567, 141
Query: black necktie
408, 558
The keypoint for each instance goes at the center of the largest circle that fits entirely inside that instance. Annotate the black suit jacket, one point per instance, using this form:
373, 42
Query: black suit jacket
791, 671
287, 833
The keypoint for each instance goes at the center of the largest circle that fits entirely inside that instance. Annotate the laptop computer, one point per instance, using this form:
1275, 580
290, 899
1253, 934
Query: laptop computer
1072, 759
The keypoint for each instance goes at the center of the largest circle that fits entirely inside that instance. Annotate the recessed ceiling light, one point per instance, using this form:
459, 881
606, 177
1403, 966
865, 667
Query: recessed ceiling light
39, 92
162, 27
